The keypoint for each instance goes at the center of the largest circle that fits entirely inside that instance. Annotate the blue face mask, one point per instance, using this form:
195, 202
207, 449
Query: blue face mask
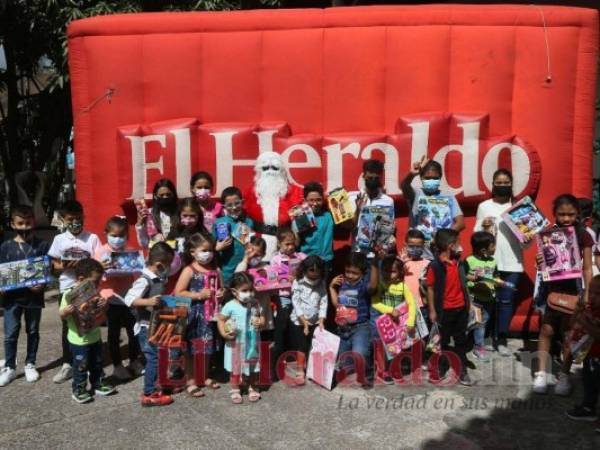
116, 241
431, 186
414, 251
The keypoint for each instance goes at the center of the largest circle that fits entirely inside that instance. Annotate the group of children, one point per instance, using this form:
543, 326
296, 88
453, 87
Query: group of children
184, 246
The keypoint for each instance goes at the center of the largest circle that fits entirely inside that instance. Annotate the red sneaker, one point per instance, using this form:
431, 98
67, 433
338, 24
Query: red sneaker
156, 399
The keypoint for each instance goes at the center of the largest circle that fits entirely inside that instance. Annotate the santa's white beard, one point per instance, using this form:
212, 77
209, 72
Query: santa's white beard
270, 188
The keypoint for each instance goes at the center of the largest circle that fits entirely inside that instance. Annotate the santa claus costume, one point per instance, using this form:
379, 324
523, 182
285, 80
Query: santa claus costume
269, 200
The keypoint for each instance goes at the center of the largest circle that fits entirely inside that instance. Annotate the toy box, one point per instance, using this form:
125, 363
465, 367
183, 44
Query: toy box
322, 357
125, 263
168, 323
24, 273
241, 232
142, 208
222, 230
75, 254
393, 333
340, 206
303, 218
524, 219
269, 278
560, 254
88, 314
375, 228
211, 305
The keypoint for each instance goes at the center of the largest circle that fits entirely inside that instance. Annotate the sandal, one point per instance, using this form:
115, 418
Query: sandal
212, 384
253, 395
236, 396
194, 391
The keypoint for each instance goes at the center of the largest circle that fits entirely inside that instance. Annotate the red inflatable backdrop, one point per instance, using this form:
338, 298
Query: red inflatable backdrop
475, 87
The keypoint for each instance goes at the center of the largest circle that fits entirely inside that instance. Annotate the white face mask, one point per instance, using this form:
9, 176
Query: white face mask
245, 297
203, 257
311, 282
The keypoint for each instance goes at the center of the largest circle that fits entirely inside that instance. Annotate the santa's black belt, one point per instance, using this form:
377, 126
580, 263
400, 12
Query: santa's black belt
266, 229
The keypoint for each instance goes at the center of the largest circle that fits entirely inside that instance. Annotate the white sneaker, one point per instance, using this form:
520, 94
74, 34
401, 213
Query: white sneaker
63, 374
7, 375
31, 373
563, 386
503, 350
540, 383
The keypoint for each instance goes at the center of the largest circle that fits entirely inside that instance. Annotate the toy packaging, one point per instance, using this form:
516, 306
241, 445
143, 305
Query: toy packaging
475, 317
125, 263
560, 253
167, 324
322, 358
241, 232
375, 228
432, 213
434, 343
524, 219
303, 218
393, 332
75, 254
142, 208
493, 228
273, 277
88, 315
222, 230
340, 206
24, 273
211, 305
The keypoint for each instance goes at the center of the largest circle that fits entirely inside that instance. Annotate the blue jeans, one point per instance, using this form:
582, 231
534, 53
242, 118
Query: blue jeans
150, 352
87, 359
355, 339
479, 330
504, 306
12, 326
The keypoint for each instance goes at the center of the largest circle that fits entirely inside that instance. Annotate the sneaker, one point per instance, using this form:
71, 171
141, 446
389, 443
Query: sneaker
104, 389
121, 373
156, 399
31, 373
465, 379
81, 396
581, 413
7, 375
481, 354
136, 368
563, 387
64, 373
540, 383
385, 378
503, 350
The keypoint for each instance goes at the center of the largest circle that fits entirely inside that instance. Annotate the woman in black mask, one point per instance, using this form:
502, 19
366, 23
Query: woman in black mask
508, 255
162, 221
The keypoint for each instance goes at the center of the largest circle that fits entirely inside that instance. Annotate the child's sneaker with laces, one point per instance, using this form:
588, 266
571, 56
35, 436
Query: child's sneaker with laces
81, 396
31, 373
481, 354
64, 373
7, 375
582, 413
104, 389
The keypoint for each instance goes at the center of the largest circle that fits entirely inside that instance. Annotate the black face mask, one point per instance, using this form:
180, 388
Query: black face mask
502, 191
165, 202
24, 234
373, 184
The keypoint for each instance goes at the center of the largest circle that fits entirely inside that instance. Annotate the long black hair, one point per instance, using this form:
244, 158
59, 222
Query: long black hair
173, 212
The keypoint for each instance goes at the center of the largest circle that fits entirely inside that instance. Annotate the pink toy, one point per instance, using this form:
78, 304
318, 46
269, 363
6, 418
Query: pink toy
270, 278
560, 253
211, 305
393, 333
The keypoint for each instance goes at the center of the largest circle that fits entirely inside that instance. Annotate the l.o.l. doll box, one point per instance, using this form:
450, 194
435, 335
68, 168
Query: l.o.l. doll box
25, 273
559, 249
524, 219
323, 357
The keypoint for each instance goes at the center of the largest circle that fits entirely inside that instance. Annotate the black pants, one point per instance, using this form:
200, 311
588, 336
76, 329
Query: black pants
120, 316
299, 341
454, 325
591, 382
281, 334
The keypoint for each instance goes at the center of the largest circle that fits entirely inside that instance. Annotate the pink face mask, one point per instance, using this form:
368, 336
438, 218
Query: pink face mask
188, 221
202, 193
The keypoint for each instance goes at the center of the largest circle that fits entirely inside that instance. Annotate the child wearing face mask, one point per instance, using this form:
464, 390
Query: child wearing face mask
201, 185
27, 302
239, 324
67, 248
430, 208
143, 296
230, 251
164, 215
415, 268
190, 222
309, 300
194, 283
114, 287
448, 301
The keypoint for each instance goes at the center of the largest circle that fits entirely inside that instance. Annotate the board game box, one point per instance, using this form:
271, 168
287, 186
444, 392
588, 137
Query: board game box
559, 249
25, 273
524, 219
340, 206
